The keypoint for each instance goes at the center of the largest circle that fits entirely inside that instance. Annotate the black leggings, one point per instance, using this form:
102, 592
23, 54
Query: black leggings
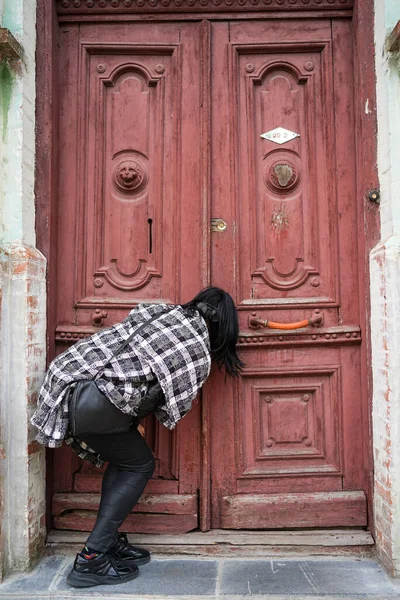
131, 465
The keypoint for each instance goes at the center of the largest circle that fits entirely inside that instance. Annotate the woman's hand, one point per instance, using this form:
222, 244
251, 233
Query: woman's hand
141, 430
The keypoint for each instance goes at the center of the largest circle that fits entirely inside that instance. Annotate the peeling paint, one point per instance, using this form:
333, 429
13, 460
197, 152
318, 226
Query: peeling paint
6, 83
280, 219
394, 62
2, 452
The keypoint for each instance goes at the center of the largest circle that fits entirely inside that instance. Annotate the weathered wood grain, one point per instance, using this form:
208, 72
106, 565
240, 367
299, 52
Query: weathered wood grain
84, 520
248, 543
272, 511
173, 504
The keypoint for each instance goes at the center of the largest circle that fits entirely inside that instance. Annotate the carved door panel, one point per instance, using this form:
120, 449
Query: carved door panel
292, 454
134, 182
130, 226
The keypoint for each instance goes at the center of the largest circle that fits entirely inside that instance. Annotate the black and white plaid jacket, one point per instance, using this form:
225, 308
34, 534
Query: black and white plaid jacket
174, 348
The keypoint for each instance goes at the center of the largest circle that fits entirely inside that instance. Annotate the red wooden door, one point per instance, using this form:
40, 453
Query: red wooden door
160, 127
130, 226
292, 453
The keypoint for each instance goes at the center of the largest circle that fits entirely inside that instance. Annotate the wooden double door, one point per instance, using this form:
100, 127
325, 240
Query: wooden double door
166, 185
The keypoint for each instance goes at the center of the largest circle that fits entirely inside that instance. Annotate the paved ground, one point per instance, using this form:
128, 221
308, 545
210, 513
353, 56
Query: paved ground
208, 578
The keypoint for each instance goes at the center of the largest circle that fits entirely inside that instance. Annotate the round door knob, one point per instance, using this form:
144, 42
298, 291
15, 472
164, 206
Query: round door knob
221, 225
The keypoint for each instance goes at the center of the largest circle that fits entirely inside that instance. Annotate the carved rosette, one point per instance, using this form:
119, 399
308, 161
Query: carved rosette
130, 6
130, 177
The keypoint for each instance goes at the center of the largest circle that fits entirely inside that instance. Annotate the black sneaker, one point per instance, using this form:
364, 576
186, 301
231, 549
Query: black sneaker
123, 550
100, 569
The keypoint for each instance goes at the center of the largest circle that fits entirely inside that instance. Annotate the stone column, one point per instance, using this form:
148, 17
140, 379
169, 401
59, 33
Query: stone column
385, 295
23, 303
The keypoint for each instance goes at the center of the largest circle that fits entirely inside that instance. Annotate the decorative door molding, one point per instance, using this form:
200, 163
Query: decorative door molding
120, 7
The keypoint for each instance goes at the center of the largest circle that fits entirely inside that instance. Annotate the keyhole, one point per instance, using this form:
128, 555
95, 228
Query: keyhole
150, 222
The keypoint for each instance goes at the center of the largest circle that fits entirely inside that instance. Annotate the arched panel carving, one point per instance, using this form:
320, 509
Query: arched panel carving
281, 262
284, 198
132, 98
124, 207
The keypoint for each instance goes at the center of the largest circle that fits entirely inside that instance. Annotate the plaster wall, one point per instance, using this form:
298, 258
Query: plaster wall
18, 127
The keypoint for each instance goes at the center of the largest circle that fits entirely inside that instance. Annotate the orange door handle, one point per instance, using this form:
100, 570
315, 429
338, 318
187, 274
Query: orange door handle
316, 320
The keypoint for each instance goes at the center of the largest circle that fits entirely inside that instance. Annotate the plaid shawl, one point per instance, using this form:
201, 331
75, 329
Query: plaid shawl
174, 348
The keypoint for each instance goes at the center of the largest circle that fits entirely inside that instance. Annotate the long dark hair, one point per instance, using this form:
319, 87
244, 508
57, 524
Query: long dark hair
220, 312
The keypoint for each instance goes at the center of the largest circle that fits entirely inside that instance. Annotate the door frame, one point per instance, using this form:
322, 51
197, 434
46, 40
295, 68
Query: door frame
46, 176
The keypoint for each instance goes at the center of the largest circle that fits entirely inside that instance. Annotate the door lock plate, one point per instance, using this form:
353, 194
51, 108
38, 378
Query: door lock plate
218, 225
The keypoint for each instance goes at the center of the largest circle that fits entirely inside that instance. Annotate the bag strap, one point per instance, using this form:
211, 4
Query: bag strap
122, 346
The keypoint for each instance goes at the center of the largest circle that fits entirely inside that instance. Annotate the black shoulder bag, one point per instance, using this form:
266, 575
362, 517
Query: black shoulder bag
90, 411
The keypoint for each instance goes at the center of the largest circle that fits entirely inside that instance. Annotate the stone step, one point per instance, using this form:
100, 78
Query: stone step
178, 578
